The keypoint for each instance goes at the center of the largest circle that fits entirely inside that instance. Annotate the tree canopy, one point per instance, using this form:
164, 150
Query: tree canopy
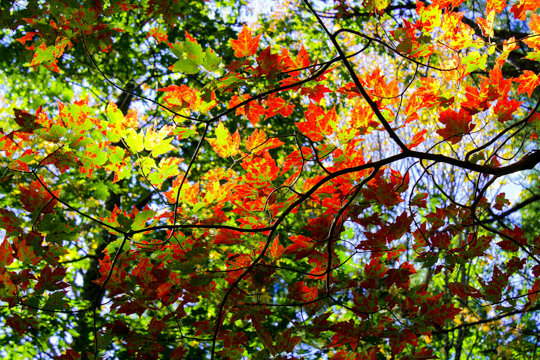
336, 180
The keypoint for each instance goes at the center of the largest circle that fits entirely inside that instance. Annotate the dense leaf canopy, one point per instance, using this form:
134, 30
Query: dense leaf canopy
337, 180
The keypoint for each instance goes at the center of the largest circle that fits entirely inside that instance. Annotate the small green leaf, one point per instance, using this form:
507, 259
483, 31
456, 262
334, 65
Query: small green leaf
134, 140
477, 157
211, 61
183, 132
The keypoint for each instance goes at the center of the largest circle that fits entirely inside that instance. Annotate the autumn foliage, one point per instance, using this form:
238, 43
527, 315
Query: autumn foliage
292, 203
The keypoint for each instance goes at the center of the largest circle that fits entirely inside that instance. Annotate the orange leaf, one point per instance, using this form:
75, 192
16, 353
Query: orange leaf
318, 123
417, 139
256, 139
246, 45
278, 105
457, 124
252, 110
495, 5
225, 144
520, 9
528, 82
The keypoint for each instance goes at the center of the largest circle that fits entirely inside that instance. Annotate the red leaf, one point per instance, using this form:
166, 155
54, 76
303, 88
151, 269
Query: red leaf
302, 293
276, 250
278, 105
501, 201
6, 256
399, 338
37, 198
504, 109
318, 122
27, 121
227, 237
382, 191
28, 37
464, 290
225, 144
10, 222
69, 355
419, 200
21, 325
269, 63
494, 289
315, 93
246, 45
179, 353
534, 294
157, 34
457, 124
252, 110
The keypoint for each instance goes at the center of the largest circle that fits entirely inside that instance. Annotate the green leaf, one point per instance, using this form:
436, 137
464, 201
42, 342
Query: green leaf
56, 301
190, 56
211, 61
134, 140
113, 247
474, 61
183, 132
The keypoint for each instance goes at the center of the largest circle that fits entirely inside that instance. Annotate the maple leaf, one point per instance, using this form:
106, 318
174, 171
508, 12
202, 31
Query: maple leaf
278, 105
495, 5
420, 200
518, 237
417, 139
28, 37
225, 144
255, 141
227, 237
398, 339
10, 222
158, 34
315, 93
21, 325
400, 277
533, 295
252, 110
26, 121
528, 82
182, 97
457, 125
520, 8
246, 45
501, 201
276, 250
63, 161
382, 191
301, 61
463, 290
486, 25
509, 46
269, 64
6, 256
37, 198
318, 122
505, 108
